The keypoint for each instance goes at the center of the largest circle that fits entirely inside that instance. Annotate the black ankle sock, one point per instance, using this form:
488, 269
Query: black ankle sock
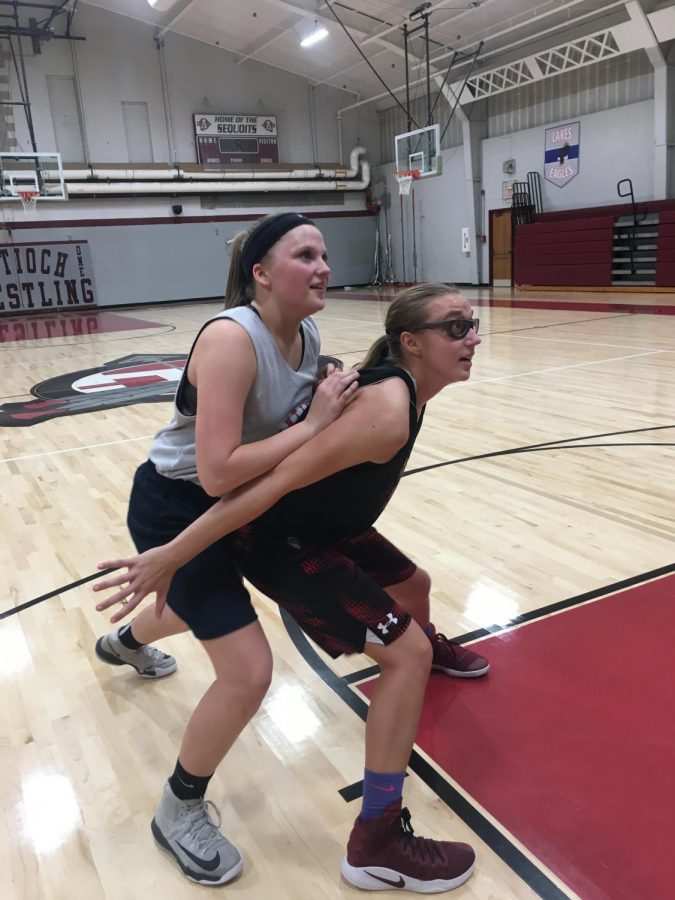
187, 786
127, 639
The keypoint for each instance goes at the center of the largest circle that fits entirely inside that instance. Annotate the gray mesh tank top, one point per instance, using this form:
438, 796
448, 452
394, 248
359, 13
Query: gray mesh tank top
278, 398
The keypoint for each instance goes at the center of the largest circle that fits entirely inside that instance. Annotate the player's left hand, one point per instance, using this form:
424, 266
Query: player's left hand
150, 572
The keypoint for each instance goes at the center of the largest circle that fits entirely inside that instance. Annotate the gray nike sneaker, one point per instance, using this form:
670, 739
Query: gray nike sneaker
184, 829
149, 662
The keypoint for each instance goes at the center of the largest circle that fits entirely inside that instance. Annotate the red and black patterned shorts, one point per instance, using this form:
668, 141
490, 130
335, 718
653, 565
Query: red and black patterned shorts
335, 593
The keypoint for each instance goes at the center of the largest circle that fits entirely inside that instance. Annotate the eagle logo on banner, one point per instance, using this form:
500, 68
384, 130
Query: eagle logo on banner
561, 153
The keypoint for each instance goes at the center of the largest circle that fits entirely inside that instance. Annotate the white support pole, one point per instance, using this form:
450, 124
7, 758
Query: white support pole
663, 99
472, 134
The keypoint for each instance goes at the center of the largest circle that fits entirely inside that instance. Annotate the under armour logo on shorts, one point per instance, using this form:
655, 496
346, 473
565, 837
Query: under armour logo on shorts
384, 626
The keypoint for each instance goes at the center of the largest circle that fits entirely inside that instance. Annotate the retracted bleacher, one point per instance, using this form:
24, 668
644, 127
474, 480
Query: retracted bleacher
598, 247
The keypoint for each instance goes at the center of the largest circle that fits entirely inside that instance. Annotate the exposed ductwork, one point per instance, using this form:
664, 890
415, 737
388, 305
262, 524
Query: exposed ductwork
178, 180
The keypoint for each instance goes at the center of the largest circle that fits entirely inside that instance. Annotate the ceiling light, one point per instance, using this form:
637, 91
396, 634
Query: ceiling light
317, 35
161, 5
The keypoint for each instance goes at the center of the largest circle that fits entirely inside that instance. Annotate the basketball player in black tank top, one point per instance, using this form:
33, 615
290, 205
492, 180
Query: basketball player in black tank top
349, 588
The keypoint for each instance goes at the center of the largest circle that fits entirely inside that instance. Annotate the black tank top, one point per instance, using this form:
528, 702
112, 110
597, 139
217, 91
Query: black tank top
349, 501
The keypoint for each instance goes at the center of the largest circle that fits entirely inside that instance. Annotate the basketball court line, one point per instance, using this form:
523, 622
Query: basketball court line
457, 385
528, 337
498, 838
627, 308
621, 308
561, 444
89, 344
16, 329
596, 362
22, 606
593, 858
144, 437
545, 445
553, 609
440, 784
330, 318
487, 334
560, 324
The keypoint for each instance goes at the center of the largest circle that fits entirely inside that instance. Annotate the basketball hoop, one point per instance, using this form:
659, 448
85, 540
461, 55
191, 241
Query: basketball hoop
28, 199
405, 179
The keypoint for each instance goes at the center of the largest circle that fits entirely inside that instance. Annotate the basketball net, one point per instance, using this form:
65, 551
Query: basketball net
28, 199
405, 179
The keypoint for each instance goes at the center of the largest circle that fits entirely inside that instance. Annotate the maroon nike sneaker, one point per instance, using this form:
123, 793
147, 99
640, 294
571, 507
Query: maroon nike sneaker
453, 659
384, 853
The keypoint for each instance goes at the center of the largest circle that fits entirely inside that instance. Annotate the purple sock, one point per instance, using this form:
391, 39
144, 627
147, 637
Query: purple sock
380, 789
430, 631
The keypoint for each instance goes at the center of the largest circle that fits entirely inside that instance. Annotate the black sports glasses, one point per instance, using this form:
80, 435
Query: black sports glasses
456, 329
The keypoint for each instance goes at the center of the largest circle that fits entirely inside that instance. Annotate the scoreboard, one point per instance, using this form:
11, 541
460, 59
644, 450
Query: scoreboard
231, 140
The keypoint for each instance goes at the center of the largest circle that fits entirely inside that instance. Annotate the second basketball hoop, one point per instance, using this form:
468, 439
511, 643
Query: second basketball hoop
405, 179
28, 199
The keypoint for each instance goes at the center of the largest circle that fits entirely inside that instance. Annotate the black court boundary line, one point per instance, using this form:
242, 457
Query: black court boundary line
527, 328
541, 612
617, 315
62, 590
353, 791
546, 445
479, 824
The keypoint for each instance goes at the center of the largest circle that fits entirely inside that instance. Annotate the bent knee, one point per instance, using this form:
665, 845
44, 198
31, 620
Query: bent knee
421, 581
411, 652
421, 651
260, 678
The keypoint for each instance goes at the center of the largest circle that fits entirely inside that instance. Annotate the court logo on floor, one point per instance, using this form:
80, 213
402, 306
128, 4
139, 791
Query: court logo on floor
139, 378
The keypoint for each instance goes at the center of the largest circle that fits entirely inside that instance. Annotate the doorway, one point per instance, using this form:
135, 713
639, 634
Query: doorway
501, 248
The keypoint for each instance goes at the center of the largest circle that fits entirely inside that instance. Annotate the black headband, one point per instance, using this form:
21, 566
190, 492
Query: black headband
265, 236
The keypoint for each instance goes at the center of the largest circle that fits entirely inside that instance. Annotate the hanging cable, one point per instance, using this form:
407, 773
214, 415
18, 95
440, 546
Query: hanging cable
370, 66
459, 93
442, 85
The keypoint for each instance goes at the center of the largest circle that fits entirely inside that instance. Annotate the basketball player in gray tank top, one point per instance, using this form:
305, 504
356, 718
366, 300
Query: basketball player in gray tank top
251, 374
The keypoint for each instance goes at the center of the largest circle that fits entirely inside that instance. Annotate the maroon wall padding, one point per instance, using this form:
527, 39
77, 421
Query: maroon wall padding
665, 253
665, 257
662, 207
570, 252
574, 246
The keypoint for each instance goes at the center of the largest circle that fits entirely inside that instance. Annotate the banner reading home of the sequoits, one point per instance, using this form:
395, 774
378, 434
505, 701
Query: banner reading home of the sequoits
226, 139
40, 276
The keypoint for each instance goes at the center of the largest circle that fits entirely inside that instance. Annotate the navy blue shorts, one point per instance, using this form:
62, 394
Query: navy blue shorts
207, 593
335, 593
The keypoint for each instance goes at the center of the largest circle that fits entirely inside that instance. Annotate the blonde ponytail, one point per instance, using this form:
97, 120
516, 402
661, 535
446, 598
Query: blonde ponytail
406, 313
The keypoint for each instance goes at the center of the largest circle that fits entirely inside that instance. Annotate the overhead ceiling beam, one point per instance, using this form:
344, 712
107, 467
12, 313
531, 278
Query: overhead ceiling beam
168, 26
507, 47
283, 29
447, 53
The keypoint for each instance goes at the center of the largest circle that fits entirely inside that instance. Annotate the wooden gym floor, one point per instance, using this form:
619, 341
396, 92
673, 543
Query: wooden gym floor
547, 477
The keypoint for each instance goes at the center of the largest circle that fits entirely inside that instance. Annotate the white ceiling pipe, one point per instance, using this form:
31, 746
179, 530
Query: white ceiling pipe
134, 174
82, 188
138, 174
